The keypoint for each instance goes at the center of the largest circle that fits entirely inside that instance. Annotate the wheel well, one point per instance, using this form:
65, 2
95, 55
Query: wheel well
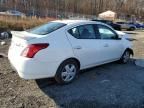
77, 61
130, 50
132, 27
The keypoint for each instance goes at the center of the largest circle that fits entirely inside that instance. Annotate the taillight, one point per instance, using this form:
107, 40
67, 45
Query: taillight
32, 49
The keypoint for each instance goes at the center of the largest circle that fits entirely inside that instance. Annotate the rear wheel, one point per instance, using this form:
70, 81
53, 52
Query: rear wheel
131, 29
67, 72
125, 57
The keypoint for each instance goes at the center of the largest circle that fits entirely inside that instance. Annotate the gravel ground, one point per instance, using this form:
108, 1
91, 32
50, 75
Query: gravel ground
109, 86
4, 48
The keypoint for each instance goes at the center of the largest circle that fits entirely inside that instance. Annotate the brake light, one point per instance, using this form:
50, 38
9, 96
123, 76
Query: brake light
32, 49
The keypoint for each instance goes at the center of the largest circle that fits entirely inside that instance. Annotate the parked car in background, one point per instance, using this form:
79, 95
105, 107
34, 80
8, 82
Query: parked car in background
13, 13
33, 13
5, 35
61, 48
143, 25
127, 26
138, 25
110, 23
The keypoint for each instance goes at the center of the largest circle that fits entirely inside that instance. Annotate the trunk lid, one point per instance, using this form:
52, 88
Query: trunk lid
24, 35
19, 42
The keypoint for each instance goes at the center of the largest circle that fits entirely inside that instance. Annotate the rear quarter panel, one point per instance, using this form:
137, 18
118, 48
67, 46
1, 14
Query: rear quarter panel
58, 50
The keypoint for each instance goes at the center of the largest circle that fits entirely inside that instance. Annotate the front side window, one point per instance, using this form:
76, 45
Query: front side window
46, 28
106, 33
83, 32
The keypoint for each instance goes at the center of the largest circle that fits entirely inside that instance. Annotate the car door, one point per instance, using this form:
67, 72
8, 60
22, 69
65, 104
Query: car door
84, 42
126, 25
123, 25
111, 44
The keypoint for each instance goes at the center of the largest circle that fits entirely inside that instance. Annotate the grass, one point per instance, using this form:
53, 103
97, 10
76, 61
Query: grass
19, 24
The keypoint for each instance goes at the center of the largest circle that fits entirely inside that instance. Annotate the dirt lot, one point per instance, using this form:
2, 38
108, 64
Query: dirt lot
109, 86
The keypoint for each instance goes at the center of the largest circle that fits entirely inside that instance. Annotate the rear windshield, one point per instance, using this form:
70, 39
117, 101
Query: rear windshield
46, 28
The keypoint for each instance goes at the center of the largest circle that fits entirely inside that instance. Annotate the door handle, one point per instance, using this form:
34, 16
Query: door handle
77, 47
106, 45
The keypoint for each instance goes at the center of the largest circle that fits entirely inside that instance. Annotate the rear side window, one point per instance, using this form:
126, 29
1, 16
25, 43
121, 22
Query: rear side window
87, 32
74, 32
83, 32
46, 28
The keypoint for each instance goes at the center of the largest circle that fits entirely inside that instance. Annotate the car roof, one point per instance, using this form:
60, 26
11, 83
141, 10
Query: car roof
121, 22
71, 22
100, 20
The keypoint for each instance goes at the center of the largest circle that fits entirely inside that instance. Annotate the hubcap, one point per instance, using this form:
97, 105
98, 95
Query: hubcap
68, 72
126, 57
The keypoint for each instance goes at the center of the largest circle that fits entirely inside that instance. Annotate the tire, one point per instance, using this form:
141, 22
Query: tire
131, 28
67, 72
125, 57
117, 28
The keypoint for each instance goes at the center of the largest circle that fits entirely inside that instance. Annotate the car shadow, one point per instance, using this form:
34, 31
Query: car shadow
110, 85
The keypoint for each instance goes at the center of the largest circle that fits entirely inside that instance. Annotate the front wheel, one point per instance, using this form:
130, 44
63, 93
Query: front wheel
67, 72
125, 57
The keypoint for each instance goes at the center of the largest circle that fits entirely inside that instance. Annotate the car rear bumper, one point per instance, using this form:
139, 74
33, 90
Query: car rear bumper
31, 68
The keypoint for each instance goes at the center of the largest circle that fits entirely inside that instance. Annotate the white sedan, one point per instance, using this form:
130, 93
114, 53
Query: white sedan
61, 48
